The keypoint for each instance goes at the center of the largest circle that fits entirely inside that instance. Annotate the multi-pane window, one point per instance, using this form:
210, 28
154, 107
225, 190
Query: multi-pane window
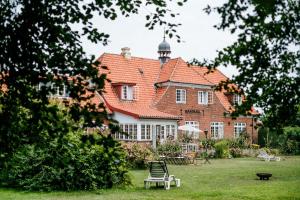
59, 91
170, 132
180, 96
130, 130
239, 128
146, 132
237, 99
129, 92
135, 92
205, 97
217, 130
194, 124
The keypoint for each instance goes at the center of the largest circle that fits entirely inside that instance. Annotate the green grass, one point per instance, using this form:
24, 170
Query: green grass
223, 179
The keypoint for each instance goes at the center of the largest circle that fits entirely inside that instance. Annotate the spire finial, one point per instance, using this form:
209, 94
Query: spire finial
164, 33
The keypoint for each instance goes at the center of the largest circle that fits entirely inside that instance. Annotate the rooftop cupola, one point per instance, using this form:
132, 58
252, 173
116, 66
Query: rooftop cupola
164, 51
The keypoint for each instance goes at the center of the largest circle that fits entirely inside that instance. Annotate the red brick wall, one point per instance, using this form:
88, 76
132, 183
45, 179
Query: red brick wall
204, 114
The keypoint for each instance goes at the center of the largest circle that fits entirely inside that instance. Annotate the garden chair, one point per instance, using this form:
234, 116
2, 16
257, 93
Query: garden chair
263, 155
158, 173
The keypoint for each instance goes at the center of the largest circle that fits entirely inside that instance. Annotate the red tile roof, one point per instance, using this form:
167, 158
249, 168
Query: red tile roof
177, 70
145, 73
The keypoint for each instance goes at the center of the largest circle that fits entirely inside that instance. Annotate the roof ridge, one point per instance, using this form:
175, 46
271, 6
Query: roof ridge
156, 102
202, 75
136, 57
174, 68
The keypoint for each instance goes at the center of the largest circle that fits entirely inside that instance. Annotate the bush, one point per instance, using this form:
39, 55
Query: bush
68, 164
289, 141
64, 158
235, 152
170, 149
138, 155
222, 149
209, 142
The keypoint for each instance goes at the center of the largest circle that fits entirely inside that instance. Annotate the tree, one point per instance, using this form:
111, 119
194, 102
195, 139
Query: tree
38, 45
266, 54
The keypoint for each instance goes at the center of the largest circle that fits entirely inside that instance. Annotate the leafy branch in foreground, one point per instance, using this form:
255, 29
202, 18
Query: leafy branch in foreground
266, 54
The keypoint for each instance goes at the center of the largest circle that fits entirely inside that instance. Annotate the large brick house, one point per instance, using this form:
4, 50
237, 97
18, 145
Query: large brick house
151, 98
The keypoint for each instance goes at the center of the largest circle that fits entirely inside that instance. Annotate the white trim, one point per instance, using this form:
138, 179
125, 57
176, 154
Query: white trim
237, 99
181, 93
238, 128
190, 85
217, 130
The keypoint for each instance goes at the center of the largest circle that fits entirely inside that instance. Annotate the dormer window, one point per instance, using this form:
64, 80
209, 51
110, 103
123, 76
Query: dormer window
237, 99
129, 93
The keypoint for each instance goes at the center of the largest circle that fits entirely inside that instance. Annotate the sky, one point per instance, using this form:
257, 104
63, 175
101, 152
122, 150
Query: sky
200, 39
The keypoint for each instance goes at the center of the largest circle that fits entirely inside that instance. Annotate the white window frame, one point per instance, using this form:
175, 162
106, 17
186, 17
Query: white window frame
194, 124
237, 99
146, 132
217, 130
239, 127
135, 91
180, 96
59, 91
129, 93
130, 129
205, 97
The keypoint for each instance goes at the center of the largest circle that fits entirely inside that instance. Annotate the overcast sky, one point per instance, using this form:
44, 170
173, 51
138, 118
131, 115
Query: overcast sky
201, 40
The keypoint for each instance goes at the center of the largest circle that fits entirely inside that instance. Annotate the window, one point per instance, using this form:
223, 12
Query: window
217, 130
170, 132
59, 91
130, 129
180, 96
237, 99
135, 92
129, 92
194, 124
205, 97
146, 132
239, 128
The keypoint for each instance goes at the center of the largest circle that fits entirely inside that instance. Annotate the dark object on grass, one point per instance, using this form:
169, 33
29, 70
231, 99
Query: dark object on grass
263, 176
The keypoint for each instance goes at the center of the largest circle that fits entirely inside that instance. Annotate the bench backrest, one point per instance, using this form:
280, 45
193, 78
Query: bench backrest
158, 169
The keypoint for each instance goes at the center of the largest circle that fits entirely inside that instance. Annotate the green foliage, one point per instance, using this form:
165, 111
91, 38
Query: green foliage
67, 164
209, 143
169, 148
138, 155
65, 159
289, 141
241, 142
222, 149
266, 54
236, 152
40, 45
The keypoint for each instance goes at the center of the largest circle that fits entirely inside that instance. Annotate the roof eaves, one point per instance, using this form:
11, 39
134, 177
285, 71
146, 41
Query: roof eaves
112, 108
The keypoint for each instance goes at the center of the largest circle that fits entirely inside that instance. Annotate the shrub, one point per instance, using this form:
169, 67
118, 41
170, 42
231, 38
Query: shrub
222, 149
289, 141
209, 142
169, 148
235, 152
67, 163
138, 155
64, 158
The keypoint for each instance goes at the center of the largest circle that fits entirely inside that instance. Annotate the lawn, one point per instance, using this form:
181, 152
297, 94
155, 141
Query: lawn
223, 179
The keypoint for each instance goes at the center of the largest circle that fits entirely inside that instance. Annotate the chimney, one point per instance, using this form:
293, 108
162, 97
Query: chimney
126, 53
